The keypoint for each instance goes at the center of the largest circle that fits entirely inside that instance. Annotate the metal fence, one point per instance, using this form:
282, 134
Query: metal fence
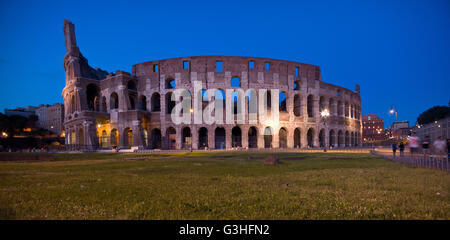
265, 150
440, 162
79, 147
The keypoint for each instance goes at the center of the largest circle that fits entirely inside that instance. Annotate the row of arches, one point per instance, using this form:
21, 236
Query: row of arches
154, 139
95, 103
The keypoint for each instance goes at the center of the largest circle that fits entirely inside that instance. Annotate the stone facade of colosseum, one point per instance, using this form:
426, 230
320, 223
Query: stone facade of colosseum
126, 110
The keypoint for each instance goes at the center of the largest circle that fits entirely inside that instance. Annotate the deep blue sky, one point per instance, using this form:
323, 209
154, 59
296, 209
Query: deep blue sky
398, 51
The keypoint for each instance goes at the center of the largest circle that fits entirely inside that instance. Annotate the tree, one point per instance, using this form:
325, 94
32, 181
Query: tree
433, 114
15, 124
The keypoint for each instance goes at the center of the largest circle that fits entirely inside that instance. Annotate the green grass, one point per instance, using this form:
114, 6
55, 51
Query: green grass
221, 185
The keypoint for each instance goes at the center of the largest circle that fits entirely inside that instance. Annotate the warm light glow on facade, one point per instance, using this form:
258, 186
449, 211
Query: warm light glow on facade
325, 113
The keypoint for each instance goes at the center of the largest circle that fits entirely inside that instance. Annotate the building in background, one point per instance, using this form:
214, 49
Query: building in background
373, 128
433, 130
20, 111
400, 130
51, 117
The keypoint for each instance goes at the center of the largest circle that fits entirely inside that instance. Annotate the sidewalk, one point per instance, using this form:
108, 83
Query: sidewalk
418, 160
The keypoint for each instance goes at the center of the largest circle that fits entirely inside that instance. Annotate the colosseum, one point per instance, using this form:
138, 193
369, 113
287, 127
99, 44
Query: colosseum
106, 110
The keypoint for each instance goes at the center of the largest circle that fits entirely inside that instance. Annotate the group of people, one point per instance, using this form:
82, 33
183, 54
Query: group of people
439, 147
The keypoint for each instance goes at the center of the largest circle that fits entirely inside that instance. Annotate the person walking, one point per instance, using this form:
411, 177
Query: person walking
394, 148
401, 146
414, 144
440, 147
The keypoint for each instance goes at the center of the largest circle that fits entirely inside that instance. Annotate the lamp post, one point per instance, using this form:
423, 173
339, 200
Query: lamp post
192, 127
324, 114
392, 111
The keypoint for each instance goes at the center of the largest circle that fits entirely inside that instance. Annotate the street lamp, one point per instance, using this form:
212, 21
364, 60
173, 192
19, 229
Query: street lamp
324, 114
392, 111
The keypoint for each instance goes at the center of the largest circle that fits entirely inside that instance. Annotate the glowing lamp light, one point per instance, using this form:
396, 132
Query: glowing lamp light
99, 125
325, 113
4, 134
191, 110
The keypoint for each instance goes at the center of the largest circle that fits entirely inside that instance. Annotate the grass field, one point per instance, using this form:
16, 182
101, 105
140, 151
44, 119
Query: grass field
221, 185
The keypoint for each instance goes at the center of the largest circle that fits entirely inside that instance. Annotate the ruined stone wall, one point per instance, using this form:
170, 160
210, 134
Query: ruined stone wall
104, 110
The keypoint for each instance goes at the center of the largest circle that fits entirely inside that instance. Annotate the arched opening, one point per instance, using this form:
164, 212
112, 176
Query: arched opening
297, 85
132, 95
332, 138
234, 101
297, 105
321, 103
252, 105
186, 138
170, 83
92, 95
203, 138
310, 137
186, 101
331, 107
81, 137
143, 103
145, 137
236, 137
114, 138
155, 138
347, 139
267, 137
169, 103
282, 136
235, 82
131, 86
171, 134
340, 139
310, 106
156, 102
104, 140
219, 138
346, 110
322, 138
297, 138
252, 137
340, 109
219, 104
132, 103
114, 101
268, 100
205, 96
104, 108
128, 137
282, 102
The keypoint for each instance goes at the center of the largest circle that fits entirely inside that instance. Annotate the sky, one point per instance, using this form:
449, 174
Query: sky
397, 51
